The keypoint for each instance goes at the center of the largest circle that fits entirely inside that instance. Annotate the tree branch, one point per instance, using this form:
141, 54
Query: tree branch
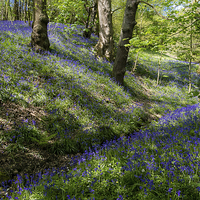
155, 10
117, 9
182, 29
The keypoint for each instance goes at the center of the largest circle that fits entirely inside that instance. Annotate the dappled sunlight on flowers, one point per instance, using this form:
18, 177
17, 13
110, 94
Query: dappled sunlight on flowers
122, 155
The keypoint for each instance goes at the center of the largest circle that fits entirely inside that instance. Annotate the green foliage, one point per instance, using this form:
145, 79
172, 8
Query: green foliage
3, 175
69, 11
104, 176
117, 17
24, 134
186, 24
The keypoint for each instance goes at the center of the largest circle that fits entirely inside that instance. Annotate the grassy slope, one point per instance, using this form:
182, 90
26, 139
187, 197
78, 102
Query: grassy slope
67, 103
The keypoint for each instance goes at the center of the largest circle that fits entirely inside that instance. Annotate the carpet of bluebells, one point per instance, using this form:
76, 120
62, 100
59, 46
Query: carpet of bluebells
161, 161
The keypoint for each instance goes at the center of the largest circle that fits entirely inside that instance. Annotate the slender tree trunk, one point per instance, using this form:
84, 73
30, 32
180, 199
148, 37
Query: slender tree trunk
190, 61
49, 3
104, 47
33, 14
96, 24
25, 5
29, 14
2, 13
93, 14
190, 82
6, 13
39, 37
11, 12
87, 30
135, 65
90, 22
2, 10
128, 24
159, 64
16, 13
20, 10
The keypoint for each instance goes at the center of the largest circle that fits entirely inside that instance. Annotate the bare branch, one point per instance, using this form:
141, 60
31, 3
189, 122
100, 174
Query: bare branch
117, 9
155, 10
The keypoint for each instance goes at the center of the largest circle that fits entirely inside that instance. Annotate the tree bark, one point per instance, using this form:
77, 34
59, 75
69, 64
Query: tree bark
33, 14
135, 65
190, 60
96, 25
39, 37
128, 24
16, 13
93, 14
159, 65
87, 31
104, 47
20, 10
2, 11
89, 25
6, 13
29, 14
25, 10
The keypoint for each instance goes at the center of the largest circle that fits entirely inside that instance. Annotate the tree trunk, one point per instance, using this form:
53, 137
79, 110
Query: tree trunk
2, 11
25, 5
6, 14
104, 47
39, 37
89, 25
19, 9
88, 30
129, 22
159, 65
190, 60
93, 14
135, 65
11, 11
29, 14
33, 14
96, 25
16, 13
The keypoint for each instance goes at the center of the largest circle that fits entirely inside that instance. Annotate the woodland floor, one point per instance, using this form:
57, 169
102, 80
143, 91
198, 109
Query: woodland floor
33, 159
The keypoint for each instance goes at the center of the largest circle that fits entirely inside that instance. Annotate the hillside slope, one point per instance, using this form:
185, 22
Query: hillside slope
58, 105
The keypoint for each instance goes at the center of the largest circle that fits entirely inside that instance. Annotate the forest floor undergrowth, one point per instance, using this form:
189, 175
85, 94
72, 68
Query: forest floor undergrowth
56, 109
